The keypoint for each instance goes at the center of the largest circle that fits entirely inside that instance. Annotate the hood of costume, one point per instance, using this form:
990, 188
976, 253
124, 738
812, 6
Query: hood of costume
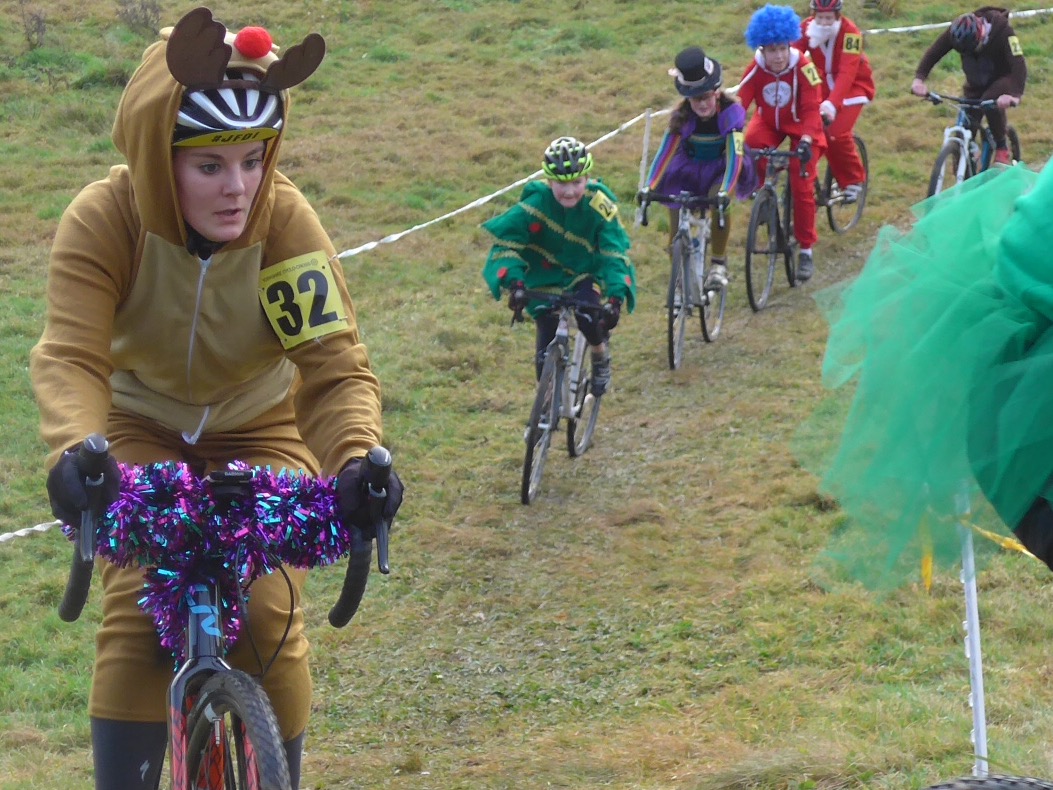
199, 345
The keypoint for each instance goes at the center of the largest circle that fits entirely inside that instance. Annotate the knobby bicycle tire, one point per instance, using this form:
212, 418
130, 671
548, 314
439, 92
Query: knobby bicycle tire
543, 418
994, 783
250, 754
1013, 138
841, 215
789, 244
677, 302
585, 408
762, 248
942, 179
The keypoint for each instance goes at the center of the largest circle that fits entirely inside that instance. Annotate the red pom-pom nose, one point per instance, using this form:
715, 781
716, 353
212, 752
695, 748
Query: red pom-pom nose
253, 42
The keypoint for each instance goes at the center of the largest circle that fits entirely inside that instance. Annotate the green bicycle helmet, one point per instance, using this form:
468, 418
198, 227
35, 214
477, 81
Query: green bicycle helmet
566, 159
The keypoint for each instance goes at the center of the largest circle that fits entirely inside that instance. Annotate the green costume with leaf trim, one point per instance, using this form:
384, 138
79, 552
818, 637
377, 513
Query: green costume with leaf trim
550, 247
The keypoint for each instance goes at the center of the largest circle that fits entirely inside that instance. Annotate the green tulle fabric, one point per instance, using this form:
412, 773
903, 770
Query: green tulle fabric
940, 358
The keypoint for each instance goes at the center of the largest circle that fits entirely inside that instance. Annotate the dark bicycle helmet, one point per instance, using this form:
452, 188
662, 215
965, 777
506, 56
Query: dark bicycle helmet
826, 5
966, 33
240, 106
566, 159
694, 73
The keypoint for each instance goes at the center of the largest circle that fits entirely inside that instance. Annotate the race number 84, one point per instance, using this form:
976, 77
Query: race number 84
301, 300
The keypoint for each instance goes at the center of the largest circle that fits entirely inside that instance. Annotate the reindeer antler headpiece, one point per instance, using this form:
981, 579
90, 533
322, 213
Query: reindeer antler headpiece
233, 82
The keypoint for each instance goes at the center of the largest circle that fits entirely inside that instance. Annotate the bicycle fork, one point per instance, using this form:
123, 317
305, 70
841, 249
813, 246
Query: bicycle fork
561, 346
574, 379
204, 650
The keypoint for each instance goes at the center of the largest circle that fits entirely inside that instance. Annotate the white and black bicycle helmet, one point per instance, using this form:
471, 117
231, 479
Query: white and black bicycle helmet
238, 111
566, 159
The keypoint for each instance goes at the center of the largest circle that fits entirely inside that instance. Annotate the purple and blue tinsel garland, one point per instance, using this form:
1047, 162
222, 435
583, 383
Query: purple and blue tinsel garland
167, 521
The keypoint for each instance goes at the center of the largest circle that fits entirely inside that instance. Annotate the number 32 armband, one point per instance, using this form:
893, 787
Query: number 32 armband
301, 299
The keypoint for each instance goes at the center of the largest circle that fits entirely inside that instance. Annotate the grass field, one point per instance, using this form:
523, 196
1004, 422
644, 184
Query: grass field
656, 619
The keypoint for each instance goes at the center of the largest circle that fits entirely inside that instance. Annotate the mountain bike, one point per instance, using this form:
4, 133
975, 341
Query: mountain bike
563, 390
223, 734
770, 232
842, 211
688, 272
968, 148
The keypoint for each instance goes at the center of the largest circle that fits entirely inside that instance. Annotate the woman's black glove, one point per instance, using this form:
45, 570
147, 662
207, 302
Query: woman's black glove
68, 491
353, 498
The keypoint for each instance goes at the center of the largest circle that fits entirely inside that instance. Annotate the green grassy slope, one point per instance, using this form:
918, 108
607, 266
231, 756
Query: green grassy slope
655, 619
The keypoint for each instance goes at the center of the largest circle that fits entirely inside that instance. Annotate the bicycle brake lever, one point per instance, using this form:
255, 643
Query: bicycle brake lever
378, 472
91, 460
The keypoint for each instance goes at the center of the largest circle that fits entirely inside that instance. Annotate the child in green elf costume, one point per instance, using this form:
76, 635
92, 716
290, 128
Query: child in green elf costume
564, 235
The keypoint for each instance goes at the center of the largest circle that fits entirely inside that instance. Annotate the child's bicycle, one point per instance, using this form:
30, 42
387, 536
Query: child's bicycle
967, 148
563, 390
223, 734
770, 231
688, 273
842, 210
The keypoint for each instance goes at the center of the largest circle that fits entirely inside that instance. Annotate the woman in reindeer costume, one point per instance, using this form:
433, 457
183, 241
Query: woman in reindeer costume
168, 331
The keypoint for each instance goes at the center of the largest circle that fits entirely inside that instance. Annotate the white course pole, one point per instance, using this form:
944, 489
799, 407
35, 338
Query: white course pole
643, 161
972, 652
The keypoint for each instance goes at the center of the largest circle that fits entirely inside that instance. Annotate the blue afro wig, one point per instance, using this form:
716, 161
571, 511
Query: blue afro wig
773, 24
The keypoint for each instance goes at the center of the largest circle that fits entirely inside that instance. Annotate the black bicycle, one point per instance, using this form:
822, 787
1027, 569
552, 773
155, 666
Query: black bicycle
770, 232
223, 734
563, 390
968, 148
687, 277
844, 210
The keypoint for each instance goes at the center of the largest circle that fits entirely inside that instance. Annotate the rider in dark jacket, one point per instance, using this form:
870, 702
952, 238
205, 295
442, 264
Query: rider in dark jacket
993, 62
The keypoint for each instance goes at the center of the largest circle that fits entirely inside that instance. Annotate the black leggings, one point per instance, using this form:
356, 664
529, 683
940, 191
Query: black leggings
129, 754
588, 322
1035, 531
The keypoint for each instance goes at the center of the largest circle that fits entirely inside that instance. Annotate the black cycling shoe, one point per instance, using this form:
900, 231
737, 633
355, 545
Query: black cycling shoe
601, 374
805, 267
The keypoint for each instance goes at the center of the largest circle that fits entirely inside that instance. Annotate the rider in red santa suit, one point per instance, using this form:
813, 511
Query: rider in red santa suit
836, 46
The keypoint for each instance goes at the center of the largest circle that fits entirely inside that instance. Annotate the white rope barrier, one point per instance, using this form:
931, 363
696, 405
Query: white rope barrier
22, 533
480, 201
940, 25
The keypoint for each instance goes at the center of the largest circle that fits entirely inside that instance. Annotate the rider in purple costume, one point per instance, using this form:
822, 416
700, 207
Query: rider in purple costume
702, 152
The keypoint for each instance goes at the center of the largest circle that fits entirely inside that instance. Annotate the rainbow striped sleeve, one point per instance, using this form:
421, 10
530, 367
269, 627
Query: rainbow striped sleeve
662, 158
733, 153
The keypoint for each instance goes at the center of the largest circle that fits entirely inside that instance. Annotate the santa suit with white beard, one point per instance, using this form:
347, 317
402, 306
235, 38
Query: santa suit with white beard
848, 85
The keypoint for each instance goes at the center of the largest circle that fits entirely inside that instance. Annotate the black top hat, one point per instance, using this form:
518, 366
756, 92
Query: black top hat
694, 73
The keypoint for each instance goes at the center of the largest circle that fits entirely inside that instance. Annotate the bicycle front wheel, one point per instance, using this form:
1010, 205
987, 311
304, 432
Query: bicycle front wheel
994, 783
585, 408
677, 302
1014, 143
233, 738
543, 418
762, 249
945, 170
789, 241
844, 216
